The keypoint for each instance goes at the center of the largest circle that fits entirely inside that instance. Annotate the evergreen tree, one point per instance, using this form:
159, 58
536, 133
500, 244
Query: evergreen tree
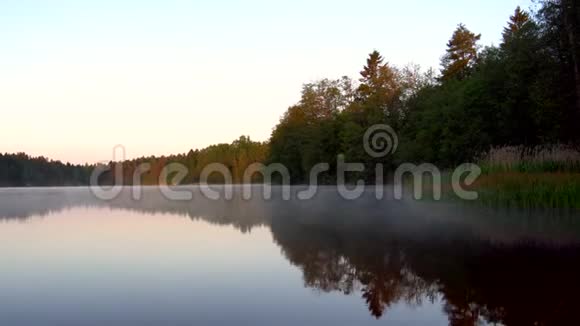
559, 22
371, 72
461, 56
516, 23
380, 84
520, 59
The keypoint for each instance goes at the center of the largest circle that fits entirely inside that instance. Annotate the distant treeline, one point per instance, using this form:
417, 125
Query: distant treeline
236, 157
18, 170
524, 92
22, 170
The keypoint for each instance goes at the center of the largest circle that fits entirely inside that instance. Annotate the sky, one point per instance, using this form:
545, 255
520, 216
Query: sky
78, 78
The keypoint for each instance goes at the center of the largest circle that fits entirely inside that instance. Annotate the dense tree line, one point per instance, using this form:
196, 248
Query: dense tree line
18, 170
525, 91
235, 157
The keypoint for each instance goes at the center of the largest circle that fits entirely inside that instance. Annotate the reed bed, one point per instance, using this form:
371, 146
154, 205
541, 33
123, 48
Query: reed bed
530, 190
539, 159
540, 177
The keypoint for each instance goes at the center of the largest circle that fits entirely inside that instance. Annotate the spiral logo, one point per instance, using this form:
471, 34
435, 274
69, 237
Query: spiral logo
380, 141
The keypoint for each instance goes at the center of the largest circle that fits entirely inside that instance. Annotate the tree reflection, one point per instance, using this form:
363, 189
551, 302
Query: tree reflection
380, 273
478, 281
482, 268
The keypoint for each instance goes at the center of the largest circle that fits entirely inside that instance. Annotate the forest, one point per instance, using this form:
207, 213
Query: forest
524, 92
18, 170
513, 107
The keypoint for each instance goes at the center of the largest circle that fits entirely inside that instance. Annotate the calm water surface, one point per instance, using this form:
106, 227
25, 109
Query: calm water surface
70, 259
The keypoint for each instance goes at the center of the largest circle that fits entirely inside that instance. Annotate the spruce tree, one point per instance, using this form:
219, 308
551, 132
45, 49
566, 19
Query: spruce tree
380, 86
516, 23
461, 56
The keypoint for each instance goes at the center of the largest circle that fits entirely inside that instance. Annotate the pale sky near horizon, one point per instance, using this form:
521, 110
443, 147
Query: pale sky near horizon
162, 77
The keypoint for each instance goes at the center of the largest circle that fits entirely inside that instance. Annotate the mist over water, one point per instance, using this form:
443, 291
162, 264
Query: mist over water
71, 259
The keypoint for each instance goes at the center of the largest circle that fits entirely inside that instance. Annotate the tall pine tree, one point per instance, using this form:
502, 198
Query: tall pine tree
516, 23
461, 56
381, 86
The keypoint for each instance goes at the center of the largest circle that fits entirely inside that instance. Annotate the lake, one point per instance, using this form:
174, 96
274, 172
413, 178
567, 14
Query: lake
71, 259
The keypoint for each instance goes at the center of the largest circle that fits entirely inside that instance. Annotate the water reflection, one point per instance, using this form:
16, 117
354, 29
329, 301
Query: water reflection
516, 284
486, 266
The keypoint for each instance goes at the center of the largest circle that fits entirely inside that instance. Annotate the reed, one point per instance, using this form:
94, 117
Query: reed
530, 190
539, 159
540, 177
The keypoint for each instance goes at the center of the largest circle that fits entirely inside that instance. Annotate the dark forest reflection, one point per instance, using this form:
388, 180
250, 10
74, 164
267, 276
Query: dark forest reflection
519, 284
514, 268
